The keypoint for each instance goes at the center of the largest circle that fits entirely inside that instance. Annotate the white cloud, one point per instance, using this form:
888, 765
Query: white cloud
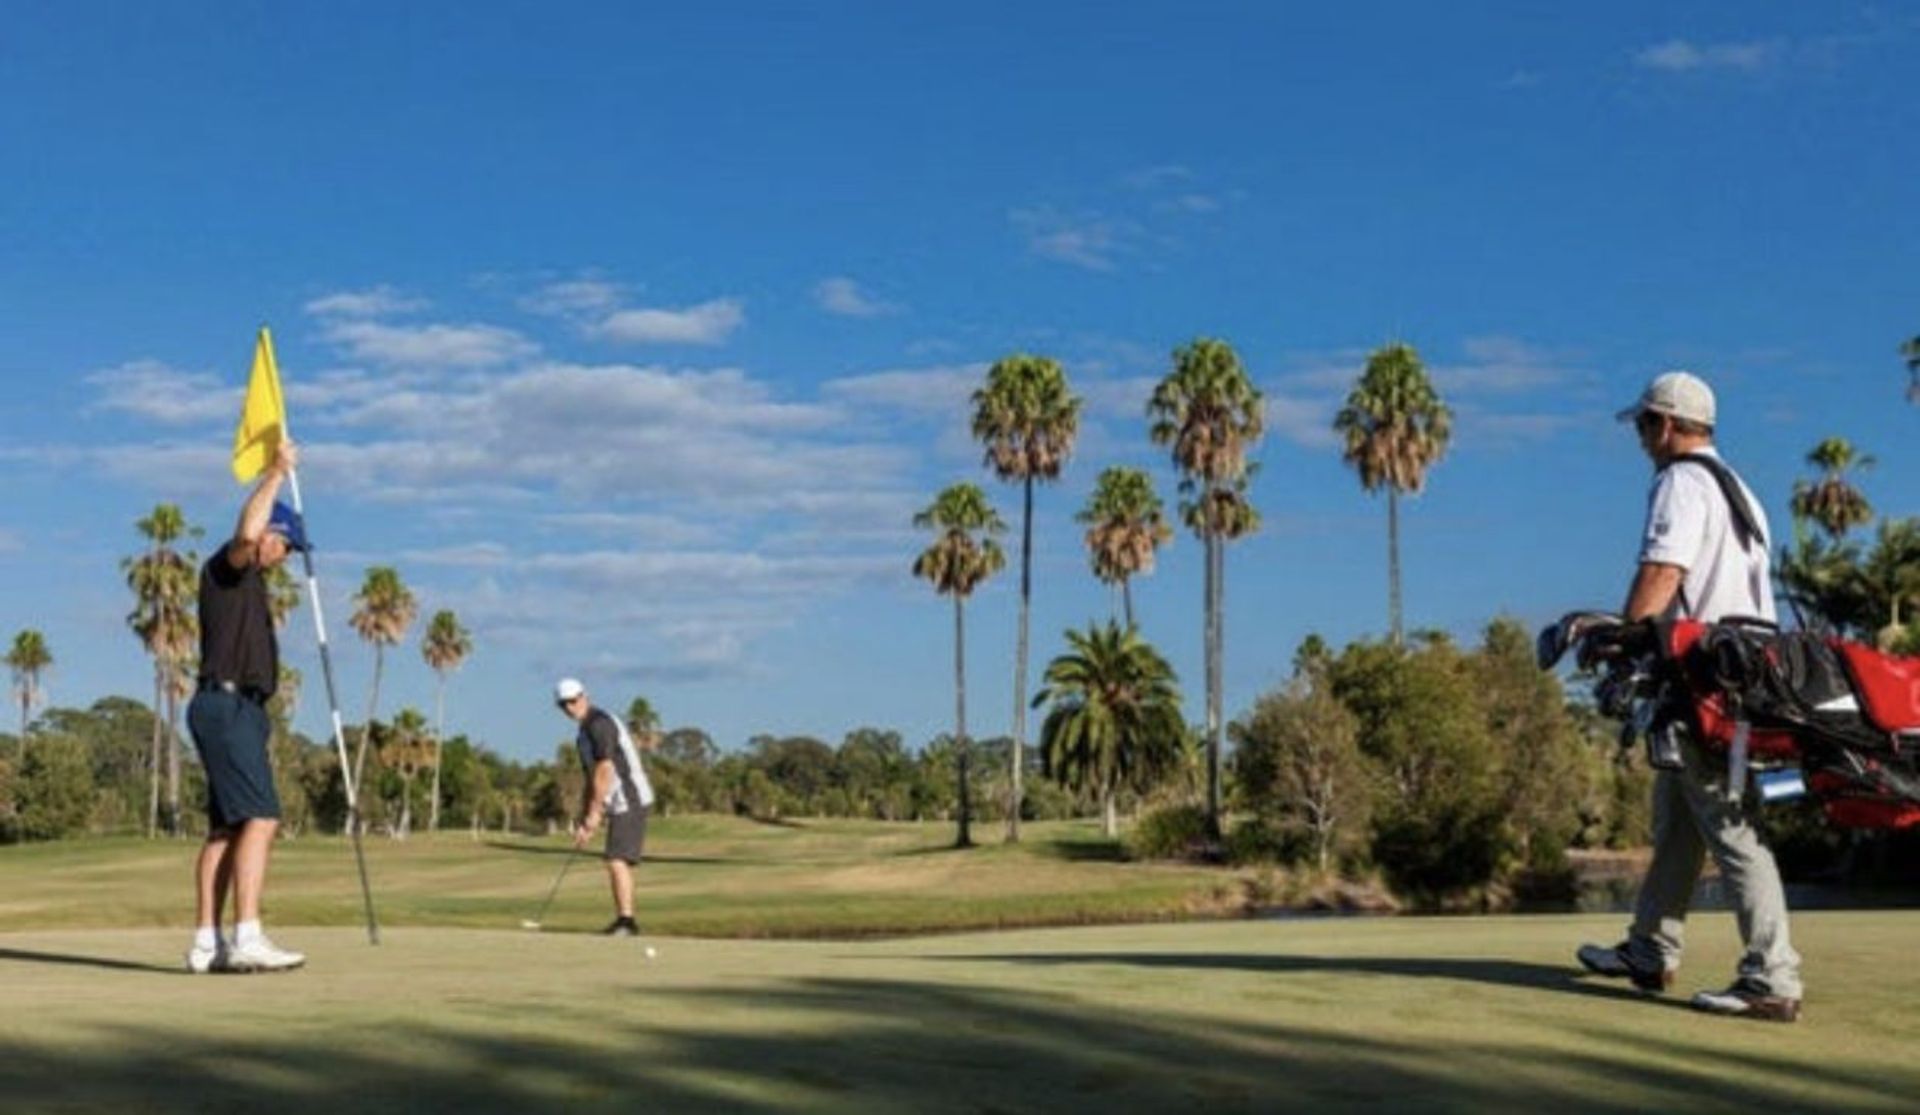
1191, 203
709, 323
843, 296
430, 346
940, 390
376, 301
152, 391
1088, 241
1502, 365
1677, 56
1157, 177
573, 297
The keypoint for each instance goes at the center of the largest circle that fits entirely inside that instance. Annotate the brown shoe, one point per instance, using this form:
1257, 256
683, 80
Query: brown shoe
1747, 999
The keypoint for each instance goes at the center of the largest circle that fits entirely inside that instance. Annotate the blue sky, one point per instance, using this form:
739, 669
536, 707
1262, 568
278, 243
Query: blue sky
636, 336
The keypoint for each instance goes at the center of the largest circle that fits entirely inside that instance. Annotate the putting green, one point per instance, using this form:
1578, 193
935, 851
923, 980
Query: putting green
1468, 1014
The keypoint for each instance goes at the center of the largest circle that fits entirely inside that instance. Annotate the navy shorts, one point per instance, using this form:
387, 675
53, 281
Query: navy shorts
230, 731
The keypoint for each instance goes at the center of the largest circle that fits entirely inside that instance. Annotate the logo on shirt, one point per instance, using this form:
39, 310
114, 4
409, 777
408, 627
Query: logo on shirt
1661, 527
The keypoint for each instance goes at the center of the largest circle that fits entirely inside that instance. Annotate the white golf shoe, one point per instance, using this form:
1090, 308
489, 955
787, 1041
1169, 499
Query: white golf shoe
262, 955
216, 959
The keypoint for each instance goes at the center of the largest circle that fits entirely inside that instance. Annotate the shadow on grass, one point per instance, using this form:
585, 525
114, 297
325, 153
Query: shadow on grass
27, 956
594, 853
1507, 973
840, 1045
1086, 850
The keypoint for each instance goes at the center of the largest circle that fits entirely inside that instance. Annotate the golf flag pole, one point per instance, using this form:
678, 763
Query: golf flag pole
263, 422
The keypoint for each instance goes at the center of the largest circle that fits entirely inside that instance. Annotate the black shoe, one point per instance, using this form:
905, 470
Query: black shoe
622, 927
1612, 962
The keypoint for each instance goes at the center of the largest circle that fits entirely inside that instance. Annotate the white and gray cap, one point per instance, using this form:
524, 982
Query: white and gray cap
566, 689
1676, 394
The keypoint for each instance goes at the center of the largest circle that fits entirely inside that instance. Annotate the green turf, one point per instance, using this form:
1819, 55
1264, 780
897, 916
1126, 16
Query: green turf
1387, 1014
704, 876
459, 1011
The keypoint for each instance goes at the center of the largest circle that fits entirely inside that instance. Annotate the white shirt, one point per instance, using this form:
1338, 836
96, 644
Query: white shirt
1690, 525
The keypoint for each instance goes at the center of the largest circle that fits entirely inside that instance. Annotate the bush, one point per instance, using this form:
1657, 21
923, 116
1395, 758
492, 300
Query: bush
1442, 854
1259, 841
1170, 832
53, 791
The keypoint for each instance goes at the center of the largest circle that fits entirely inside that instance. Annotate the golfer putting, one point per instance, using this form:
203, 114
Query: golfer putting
616, 791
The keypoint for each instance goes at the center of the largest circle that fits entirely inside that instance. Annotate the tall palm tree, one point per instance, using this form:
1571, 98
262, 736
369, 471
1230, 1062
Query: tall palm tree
963, 555
1027, 418
445, 646
1125, 526
1395, 428
383, 610
28, 658
1910, 350
1210, 414
1116, 714
165, 585
1833, 502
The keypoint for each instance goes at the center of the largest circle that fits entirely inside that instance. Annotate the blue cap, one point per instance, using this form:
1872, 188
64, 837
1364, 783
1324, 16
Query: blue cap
286, 523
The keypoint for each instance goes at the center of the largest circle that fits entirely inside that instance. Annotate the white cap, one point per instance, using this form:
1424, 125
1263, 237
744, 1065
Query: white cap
568, 688
1680, 395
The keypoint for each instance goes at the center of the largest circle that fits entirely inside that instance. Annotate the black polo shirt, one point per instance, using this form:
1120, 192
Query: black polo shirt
236, 627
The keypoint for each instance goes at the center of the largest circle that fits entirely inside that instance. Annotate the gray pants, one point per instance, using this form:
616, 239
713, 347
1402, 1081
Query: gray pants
1692, 817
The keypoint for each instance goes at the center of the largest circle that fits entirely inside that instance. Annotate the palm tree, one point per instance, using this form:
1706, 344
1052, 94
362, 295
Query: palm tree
165, 585
445, 646
963, 555
1910, 350
642, 721
384, 609
1125, 526
1832, 501
1395, 428
1209, 412
28, 659
1027, 418
1889, 578
405, 751
1115, 718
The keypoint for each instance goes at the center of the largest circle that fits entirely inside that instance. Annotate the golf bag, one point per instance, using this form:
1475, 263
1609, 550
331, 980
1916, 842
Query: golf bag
1795, 710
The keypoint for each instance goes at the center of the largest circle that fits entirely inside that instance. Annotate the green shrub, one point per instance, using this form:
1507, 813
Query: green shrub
1170, 832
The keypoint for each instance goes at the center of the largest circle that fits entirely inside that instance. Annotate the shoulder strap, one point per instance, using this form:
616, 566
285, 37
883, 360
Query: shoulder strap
1746, 525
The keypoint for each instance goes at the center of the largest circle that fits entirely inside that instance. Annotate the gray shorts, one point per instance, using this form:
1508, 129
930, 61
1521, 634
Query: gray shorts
626, 834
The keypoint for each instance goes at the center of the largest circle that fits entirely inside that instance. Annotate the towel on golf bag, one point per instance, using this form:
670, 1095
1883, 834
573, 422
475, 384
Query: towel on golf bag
1848, 714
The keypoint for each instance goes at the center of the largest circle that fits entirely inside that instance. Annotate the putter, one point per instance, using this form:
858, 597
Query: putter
534, 922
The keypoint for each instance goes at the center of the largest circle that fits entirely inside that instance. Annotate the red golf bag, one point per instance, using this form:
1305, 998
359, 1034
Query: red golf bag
1847, 715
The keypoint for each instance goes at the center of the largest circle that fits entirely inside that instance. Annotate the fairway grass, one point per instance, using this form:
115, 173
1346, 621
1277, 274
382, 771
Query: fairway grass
748, 1007
703, 876
1393, 1014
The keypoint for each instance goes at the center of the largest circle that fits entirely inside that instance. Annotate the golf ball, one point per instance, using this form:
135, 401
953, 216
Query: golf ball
651, 953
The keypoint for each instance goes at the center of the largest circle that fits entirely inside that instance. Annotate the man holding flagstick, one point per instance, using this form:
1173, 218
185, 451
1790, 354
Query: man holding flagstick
239, 669
263, 448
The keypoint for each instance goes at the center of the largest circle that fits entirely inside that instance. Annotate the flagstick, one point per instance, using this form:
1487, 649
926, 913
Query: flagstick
339, 733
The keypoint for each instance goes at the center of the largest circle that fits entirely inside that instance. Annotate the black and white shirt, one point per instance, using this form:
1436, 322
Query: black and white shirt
604, 739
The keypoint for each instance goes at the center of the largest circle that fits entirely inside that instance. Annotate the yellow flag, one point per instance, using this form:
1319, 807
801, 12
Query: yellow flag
263, 417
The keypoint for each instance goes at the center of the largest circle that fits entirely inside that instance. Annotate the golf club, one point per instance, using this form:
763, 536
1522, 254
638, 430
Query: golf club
534, 922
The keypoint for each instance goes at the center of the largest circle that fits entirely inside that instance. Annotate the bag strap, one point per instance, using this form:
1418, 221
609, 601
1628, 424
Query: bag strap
1746, 525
